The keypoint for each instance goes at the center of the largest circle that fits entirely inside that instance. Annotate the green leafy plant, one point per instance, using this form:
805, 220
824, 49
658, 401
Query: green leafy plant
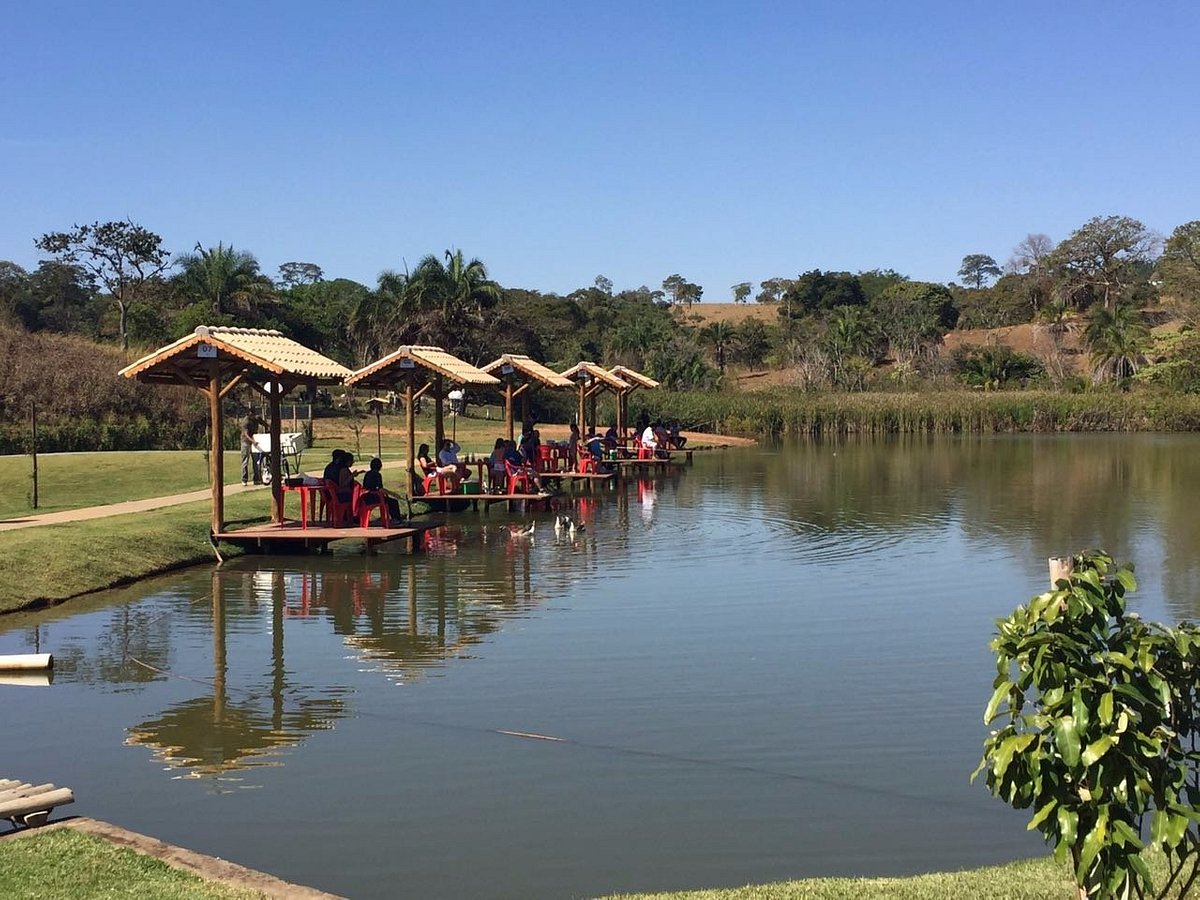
1100, 730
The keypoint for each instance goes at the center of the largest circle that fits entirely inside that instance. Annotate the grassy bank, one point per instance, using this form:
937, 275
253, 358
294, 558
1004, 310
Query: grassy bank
51, 563
783, 411
68, 864
1031, 879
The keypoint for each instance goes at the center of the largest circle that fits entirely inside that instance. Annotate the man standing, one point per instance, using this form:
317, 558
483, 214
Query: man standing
251, 460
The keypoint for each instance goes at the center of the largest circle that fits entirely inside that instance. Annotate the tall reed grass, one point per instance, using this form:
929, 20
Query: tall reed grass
779, 411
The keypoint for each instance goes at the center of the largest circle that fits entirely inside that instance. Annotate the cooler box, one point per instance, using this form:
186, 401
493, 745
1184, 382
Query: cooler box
472, 487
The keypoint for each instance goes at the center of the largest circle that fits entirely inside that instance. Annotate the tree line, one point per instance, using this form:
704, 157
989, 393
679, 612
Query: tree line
116, 281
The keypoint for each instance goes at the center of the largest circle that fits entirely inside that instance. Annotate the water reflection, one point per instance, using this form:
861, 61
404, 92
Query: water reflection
215, 733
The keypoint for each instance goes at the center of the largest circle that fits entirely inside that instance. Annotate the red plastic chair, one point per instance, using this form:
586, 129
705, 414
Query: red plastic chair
644, 451
334, 511
585, 463
518, 477
369, 500
444, 483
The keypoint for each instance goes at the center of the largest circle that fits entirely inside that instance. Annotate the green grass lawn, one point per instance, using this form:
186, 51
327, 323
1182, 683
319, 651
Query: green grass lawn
71, 865
53, 562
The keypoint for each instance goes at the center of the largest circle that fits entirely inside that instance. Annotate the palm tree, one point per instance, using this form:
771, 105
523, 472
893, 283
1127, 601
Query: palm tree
1117, 338
851, 335
717, 335
225, 278
450, 298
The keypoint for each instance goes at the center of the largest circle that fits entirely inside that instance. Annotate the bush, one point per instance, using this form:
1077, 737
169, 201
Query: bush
1101, 716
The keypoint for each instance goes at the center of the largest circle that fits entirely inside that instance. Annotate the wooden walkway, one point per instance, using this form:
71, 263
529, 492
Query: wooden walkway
30, 804
290, 535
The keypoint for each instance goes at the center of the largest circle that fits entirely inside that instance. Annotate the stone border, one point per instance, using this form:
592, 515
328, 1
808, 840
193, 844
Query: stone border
210, 868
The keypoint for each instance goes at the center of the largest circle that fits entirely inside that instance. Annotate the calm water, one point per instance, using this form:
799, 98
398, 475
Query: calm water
770, 666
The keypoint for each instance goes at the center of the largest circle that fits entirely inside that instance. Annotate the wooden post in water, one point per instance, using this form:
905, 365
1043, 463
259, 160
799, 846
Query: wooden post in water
1060, 567
439, 420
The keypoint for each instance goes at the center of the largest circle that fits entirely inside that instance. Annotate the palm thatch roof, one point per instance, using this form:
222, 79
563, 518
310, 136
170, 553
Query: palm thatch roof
633, 377
190, 359
387, 371
530, 369
599, 373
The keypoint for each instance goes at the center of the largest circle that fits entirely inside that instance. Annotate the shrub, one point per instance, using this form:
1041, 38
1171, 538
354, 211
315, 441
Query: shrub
1101, 715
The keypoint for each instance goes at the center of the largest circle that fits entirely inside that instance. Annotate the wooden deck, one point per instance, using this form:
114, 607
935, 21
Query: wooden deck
291, 535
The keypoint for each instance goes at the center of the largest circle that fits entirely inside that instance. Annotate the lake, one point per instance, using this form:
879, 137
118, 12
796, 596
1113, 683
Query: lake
772, 664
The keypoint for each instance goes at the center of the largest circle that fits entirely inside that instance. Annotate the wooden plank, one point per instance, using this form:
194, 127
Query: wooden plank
45, 801
25, 790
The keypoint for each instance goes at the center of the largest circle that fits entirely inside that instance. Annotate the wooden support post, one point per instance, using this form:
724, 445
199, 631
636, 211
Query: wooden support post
216, 454
33, 448
524, 410
274, 401
439, 416
582, 418
1060, 567
508, 408
410, 419
621, 395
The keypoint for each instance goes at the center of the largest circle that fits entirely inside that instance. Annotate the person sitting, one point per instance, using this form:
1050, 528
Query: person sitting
373, 489
662, 438
515, 458
650, 437
528, 449
677, 440
497, 476
334, 467
428, 467
345, 480
610, 438
448, 456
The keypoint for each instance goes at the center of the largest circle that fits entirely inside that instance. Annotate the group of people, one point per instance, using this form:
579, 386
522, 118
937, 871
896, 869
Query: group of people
657, 435
341, 477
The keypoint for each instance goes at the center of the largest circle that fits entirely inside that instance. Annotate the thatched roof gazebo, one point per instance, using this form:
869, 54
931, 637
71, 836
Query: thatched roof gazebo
635, 380
529, 374
592, 379
420, 369
215, 360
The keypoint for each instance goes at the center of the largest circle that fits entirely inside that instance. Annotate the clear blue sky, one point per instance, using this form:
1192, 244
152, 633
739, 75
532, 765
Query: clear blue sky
557, 141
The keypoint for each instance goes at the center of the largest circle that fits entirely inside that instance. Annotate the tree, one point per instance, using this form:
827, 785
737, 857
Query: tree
450, 299
751, 343
851, 340
225, 280
741, 291
977, 268
121, 256
1103, 257
681, 291
64, 297
817, 291
1099, 713
718, 336
1117, 339
1030, 256
771, 290
913, 316
604, 285
292, 274
1179, 266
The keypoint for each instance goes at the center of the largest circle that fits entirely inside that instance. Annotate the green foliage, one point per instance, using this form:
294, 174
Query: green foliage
818, 291
913, 315
741, 291
1117, 339
1179, 266
751, 342
1012, 300
680, 364
681, 291
996, 366
1175, 362
1100, 720
228, 281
